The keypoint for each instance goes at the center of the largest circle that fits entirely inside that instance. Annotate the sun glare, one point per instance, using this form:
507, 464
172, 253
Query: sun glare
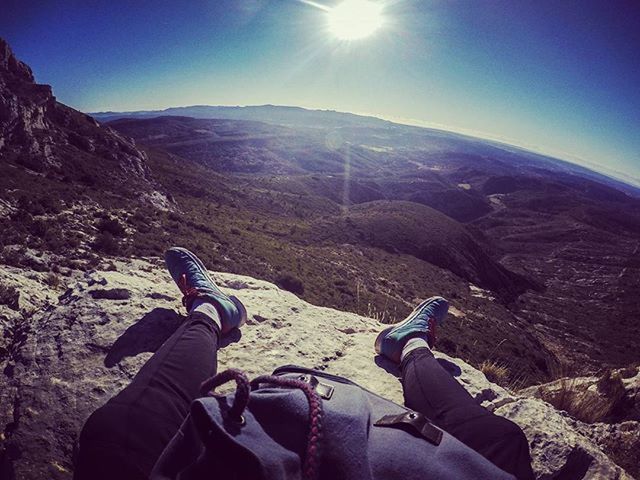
355, 19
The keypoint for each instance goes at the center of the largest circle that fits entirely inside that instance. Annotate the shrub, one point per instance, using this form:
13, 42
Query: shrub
112, 226
174, 217
54, 241
9, 296
31, 162
51, 204
290, 283
106, 243
72, 241
585, 404
53, 280
88, 179
40, 228
39, 205
28, 205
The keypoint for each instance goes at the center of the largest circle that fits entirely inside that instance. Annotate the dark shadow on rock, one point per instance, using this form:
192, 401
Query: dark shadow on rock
150, 332
6, 463
111, 294
146, 335
453, 369
394, 369
574, 468
387, 365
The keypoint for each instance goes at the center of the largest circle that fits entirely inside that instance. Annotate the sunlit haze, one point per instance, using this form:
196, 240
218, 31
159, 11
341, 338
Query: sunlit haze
558, 77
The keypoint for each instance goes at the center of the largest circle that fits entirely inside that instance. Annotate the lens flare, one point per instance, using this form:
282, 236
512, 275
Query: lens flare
355, 19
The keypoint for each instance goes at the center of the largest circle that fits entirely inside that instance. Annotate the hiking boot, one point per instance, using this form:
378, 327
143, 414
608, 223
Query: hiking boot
422, 322
194, 282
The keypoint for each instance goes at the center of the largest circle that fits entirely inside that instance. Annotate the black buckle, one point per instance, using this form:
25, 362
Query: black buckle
325, 391
414, 421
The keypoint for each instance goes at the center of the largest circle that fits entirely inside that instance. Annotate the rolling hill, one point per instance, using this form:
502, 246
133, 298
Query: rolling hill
540, 234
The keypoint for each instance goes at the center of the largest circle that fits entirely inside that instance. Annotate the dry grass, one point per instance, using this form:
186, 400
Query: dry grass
53, 280
588, 404
372, 312
495, 372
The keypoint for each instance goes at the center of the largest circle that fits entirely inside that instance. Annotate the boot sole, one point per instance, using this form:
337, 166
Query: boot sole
241, 308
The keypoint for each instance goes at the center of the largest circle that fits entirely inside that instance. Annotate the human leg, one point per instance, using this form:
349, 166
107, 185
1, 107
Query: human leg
124, 438
432, 391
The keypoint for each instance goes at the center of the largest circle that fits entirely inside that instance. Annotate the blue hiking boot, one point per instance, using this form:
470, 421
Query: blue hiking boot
194, 282
422, 322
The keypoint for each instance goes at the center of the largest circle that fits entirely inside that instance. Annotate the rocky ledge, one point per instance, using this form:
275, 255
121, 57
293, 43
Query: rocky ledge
70, 344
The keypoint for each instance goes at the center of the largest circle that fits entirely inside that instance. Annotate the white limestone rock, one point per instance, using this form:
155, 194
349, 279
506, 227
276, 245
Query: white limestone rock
77, 349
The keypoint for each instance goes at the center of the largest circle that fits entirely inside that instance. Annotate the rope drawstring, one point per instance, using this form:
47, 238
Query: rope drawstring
311, 462
243, 388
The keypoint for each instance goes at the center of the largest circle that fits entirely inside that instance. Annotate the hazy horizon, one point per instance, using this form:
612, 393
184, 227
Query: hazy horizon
616, 175
558, 79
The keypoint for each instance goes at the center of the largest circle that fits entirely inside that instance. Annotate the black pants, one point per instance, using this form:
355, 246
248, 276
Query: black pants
123, 439
432, 391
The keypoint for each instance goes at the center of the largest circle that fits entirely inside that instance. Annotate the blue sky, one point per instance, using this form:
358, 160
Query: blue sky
561, 77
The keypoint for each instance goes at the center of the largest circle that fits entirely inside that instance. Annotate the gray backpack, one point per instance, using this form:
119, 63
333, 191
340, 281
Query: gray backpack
306, 424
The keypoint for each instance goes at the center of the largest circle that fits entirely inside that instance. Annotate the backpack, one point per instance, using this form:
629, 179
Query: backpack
306, 424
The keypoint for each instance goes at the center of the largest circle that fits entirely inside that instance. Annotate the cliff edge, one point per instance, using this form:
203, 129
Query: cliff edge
72, 343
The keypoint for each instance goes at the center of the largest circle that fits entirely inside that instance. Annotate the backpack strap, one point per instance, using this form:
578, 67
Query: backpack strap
414, 421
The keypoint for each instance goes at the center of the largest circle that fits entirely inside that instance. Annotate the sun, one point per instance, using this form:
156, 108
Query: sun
355, 19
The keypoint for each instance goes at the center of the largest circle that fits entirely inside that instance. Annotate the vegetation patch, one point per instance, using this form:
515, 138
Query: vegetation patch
105, 242
112, 226
9, 296
495, 372
586, 403
290, 283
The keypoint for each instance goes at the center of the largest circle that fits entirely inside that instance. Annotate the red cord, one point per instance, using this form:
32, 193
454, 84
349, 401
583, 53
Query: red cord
432, 335
311, 463
188, 292
243, 388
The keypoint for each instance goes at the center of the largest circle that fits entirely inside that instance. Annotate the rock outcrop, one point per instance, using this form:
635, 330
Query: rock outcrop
608, 407
612, 397
67, 350
44, 136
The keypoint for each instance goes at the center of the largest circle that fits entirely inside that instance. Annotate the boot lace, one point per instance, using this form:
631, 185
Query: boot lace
188, 291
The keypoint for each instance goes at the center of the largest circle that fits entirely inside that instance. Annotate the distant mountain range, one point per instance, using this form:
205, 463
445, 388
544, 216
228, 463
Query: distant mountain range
281, 115
298, 117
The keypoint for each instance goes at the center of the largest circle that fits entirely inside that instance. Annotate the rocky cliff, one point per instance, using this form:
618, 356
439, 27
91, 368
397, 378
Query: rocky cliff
45, 137
70, 344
